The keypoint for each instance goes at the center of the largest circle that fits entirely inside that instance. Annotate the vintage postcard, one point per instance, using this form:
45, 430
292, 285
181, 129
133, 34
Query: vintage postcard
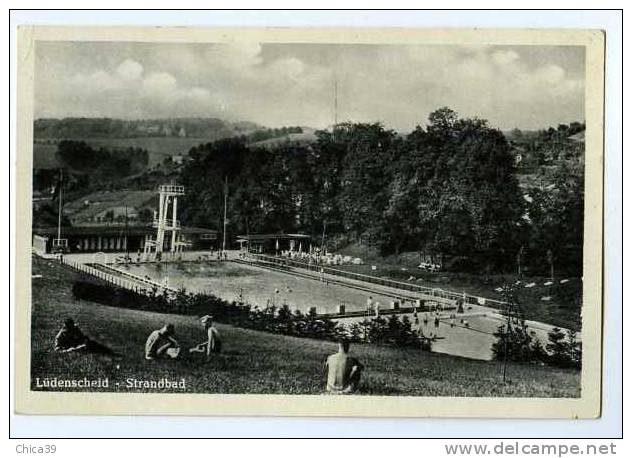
309, 222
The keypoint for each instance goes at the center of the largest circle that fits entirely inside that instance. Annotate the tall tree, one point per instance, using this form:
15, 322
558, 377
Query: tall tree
468, 198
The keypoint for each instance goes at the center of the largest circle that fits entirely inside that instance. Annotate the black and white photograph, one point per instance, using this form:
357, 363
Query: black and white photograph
333, 220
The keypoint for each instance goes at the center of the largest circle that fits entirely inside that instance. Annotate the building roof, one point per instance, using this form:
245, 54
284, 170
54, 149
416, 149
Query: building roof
197, 230
261, 237
112, 230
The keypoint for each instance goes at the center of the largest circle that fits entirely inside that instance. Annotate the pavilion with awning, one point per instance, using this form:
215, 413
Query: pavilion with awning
273, 243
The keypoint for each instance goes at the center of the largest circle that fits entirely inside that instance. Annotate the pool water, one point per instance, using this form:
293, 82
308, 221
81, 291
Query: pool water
256, 285
472, 338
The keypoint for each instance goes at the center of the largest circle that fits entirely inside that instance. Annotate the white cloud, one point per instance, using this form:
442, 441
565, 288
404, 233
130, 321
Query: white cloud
550, 74
159, 84
129, 70
234, 55
99, 80
292, 68
293, 84
503, 57
199, 93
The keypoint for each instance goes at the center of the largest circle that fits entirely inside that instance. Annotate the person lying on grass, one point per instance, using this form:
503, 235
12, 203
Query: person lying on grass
213, 343
343, 371
70, 339
161, 343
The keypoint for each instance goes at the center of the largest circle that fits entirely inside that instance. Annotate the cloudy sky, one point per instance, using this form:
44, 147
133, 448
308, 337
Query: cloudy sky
292, 84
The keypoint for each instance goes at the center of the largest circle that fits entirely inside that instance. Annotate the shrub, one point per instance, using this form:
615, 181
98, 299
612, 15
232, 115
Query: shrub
564, 350
514, 341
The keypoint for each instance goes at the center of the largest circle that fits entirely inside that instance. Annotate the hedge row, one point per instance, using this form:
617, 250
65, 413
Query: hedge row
282, 320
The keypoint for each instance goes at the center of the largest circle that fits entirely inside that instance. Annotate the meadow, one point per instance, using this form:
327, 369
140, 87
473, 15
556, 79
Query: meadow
257, 362
158, 147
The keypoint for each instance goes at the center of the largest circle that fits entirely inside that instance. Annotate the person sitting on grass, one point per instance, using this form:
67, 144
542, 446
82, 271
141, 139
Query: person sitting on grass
213, 343
162, 343
343, 371
71, 339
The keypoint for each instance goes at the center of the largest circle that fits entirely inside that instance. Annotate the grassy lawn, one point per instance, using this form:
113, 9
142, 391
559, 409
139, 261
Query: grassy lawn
257, 362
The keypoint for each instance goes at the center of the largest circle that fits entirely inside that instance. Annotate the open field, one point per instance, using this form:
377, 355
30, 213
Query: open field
257, 362
85, 209
158, 147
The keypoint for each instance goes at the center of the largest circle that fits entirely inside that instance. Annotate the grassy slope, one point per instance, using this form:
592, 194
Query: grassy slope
103, 200
563, 310
256, 362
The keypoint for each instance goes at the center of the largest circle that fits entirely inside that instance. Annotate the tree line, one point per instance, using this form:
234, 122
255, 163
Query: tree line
450, 188
77, 128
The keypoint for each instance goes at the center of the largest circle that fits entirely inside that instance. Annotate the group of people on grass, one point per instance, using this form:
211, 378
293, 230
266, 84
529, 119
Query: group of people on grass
161, 343
343, 371
70, 339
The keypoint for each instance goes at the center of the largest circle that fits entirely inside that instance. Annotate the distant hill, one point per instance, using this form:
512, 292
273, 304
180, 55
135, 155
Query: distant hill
306, 135
161, 138
208, 128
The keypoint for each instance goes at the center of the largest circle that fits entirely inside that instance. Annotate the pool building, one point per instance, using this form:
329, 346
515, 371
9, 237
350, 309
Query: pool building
274, 243
116, 238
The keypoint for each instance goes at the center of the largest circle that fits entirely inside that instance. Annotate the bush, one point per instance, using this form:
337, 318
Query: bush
514, 341
564, 350
392, 331
516, 345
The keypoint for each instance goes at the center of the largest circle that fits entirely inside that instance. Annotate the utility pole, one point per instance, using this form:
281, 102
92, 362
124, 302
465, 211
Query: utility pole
507, 334
322, 243
333, 130
126, 236
225, 208
61, 186
549, 258
514, 317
